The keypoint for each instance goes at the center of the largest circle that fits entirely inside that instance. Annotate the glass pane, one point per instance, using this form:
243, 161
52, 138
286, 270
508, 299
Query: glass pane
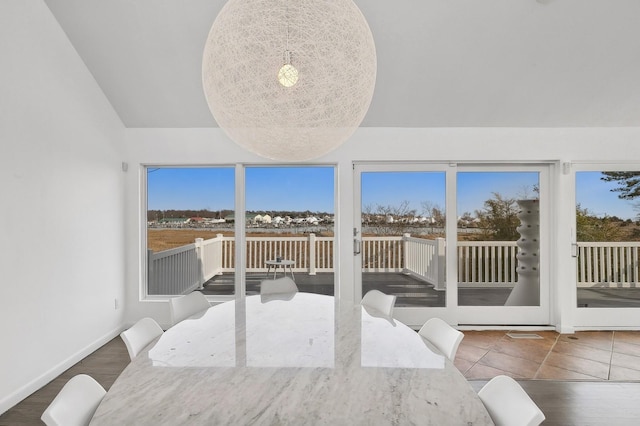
498, 239
608, 239
289, 229
190, 233
403, 236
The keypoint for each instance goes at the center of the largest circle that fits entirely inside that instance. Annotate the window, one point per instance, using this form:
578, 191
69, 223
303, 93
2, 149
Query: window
190, 230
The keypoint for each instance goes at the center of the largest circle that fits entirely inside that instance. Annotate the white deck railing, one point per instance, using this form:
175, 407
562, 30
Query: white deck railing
608, 264
311, 253
382, 254
173, 271
487, 263
183, 269
480, 263
425, 259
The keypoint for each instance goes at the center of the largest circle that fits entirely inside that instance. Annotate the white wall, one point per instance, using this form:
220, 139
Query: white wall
61, 215
506, 145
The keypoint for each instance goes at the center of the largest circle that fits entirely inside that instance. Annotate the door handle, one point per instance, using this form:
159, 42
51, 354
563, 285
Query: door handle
356, 246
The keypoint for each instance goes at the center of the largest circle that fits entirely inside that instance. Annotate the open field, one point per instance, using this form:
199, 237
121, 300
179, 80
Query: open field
164, 239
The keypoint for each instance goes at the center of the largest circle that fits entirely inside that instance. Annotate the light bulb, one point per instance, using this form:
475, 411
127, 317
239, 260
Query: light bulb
288, 75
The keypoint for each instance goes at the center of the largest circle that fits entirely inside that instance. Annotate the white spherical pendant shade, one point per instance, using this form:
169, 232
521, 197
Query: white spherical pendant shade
289, 80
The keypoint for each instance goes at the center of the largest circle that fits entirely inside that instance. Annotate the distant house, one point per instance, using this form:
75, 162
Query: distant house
216, 220
173, 222
328, 219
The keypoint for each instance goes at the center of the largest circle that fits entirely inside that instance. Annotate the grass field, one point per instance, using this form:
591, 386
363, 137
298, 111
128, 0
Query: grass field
164, 239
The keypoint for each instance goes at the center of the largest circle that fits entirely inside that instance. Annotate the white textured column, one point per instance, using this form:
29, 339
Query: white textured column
526, 292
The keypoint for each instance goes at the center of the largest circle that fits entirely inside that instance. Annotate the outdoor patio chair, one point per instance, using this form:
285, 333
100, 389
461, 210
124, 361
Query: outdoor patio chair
183, 307
76, 402
508, 404
442, 336
380, 302
140, 335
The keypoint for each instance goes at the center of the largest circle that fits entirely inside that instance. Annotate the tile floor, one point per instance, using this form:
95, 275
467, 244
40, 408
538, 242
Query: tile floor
586, 355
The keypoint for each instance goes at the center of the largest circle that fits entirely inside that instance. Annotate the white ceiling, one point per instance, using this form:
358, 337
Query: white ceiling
441, 63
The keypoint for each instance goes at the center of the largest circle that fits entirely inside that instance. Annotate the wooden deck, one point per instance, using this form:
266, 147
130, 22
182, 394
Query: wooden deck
411, 292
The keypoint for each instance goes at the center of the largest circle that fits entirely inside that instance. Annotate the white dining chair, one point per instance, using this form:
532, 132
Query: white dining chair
379, 301
442, 336
140, 335
278, 286
183, 307
508, 404
76, 402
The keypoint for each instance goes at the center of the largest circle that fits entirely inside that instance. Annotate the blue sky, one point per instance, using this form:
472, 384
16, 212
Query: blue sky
392, 188
268, 188
595, 195
190, 188
289, 188
312, 188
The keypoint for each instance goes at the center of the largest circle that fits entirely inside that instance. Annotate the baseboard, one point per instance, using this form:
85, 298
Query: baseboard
16, 397
469, 327
565, 329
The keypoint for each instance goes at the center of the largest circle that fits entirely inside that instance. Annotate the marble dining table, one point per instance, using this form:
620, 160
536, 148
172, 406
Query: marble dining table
290, 359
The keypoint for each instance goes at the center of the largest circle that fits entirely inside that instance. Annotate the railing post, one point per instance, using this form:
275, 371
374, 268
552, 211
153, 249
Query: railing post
440, 264
200, 263
217, 260
312, 254
405, 253
151, 276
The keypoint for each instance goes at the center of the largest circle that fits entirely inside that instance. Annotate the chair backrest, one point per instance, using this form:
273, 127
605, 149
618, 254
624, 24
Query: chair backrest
278, 286
442, 336
140, 335
379, 301
184, 306
76, 402
508, 404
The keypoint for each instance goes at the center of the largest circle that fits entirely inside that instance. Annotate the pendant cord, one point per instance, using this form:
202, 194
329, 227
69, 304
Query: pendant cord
287, 53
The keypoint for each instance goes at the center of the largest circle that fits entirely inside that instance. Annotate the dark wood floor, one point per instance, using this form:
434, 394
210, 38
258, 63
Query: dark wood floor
563, 402
104, 365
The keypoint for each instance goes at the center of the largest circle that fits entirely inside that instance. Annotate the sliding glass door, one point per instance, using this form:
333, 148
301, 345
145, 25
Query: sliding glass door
502, 245
400, 235
464, 242
607, 239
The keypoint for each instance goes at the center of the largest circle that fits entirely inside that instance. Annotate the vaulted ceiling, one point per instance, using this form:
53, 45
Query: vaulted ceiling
441, 63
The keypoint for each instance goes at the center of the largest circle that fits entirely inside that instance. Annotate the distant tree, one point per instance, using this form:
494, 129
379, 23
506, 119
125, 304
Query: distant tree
466, 220
499, 219
435, 212
388, 220
592, 228
525, 192
629, 183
